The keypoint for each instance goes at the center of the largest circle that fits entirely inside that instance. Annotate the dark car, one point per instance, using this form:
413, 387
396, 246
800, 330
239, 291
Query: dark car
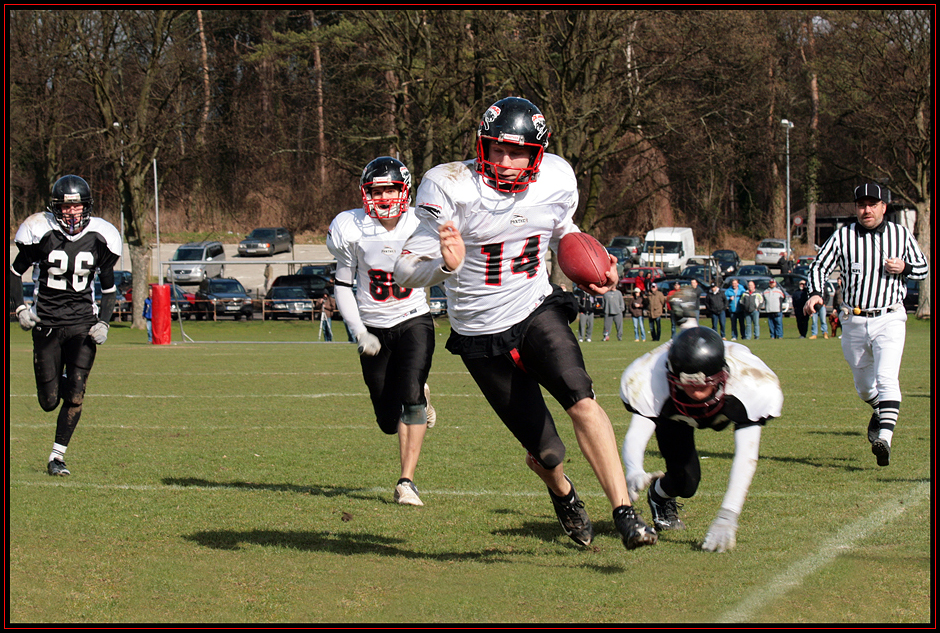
182, 303
437, 299
324, 270
223, 297
121, 306
288, 301
630, 243
753, 270
704, 273
666, 285
267, 241
622, 258
801, 269
314, 285
910, 301
728, 261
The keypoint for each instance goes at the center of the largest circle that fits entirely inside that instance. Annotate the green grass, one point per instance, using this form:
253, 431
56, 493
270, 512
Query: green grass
246, 482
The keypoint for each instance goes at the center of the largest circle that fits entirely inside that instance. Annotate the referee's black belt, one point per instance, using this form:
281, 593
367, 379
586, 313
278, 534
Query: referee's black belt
876, 312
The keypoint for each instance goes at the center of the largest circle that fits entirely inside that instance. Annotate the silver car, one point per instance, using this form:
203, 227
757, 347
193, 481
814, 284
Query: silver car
268, 241
196, 261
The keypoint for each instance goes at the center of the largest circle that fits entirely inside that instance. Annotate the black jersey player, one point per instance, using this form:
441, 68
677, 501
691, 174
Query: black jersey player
68, 247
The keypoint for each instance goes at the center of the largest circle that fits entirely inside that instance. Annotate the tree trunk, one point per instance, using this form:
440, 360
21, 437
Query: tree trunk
140, 267
922, 231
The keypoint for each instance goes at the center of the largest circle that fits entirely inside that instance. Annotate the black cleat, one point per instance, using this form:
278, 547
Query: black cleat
665, 512
57, 468
634, 532
573, 517
882, 451
874, 425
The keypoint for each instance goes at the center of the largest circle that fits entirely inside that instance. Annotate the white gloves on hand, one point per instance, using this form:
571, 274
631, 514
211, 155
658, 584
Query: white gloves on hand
721, 535
99, 332
27, 316
368, 344
640, 480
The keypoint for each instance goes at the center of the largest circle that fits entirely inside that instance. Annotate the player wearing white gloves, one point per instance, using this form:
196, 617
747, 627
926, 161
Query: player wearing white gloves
68, 246
392, 325
696, 381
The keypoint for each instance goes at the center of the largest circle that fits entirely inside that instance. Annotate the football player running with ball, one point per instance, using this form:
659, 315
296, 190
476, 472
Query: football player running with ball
696, 381
392, 325
67, 245
486, 227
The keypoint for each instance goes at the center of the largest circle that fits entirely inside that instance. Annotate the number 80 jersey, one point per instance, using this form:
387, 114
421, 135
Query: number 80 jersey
363, 246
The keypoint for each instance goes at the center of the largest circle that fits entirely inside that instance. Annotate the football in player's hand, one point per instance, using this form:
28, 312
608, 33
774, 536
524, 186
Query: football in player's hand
583, 260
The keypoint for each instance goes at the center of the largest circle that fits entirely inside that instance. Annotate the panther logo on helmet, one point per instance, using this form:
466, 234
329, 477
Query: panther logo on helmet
489, 116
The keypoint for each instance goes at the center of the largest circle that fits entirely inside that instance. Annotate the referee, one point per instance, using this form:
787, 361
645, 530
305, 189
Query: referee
875, 257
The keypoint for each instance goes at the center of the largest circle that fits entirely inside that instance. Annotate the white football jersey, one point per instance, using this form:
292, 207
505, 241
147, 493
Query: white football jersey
645, 389
503, 278
362, 246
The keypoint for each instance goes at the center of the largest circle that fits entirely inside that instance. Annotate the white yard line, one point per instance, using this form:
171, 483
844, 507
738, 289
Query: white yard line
841, 543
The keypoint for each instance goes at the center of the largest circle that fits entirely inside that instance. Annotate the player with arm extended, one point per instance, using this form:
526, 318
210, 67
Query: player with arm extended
696, 381
392, 325
68, 246
486, 227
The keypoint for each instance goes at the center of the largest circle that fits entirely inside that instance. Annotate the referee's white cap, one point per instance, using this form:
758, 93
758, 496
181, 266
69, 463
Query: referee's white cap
871, 190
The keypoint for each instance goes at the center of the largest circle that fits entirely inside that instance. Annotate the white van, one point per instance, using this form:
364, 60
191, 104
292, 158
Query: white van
668, 248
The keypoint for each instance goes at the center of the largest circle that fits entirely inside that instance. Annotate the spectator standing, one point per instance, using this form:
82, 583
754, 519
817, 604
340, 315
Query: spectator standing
327, 306
148, 313
676, 287
613, 313
799, 301
656, 301
751, 303
774, 302
818, 321
715, 306
585, 315
636, 307
733, 295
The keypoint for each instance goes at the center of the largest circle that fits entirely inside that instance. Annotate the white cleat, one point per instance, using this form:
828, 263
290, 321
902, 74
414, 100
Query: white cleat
407, 494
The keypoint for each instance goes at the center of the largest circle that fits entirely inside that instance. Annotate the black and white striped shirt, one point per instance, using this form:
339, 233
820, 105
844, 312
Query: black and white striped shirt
860, 254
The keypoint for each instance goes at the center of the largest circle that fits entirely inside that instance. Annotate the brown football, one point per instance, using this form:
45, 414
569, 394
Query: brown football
583, 259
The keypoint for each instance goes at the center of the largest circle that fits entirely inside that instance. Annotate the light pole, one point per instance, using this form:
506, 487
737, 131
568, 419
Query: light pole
788, 124
117, 128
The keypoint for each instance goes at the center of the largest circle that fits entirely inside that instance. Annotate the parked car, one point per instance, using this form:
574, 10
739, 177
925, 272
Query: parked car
910, 301
771, 252
622, 258
324, 270
121, 307
705, 273
314, 285
805, 260
181, 302
630, 275
753, 270
437, 299
197, 262
123, 280
288, 301
728, 261
632, 244
801, 269
268, 241
223, 297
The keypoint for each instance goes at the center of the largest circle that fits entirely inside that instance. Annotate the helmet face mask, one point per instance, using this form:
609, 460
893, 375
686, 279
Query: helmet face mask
697, 359
385, 171
69, 191
514, 122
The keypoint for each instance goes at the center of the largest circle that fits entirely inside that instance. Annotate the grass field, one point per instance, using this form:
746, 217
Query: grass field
246, 482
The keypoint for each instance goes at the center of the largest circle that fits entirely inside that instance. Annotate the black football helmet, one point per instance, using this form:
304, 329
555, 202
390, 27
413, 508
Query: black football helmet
517, 121
69, 190
697, 357
385, 171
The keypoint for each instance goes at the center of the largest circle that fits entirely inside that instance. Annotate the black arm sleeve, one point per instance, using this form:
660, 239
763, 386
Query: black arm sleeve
107, 306
15, 289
